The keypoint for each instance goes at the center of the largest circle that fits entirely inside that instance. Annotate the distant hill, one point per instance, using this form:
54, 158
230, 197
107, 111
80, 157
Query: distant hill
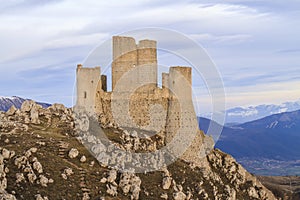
264, 143
239, 115
7, 102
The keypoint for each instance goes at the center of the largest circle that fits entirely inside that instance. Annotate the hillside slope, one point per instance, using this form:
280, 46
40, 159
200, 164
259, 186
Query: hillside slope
42, 159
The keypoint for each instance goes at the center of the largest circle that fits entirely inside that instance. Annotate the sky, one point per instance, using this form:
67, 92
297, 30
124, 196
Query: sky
254, 44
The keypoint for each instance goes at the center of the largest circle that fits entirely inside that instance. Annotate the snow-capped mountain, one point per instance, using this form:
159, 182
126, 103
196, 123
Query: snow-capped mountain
7, 102
274, 139
239, 115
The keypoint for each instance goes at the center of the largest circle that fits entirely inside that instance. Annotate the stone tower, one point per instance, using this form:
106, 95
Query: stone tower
88, 83
181, 114
128, 55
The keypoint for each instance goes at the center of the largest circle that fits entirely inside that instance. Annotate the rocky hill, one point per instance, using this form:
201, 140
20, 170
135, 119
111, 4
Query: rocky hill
42, 157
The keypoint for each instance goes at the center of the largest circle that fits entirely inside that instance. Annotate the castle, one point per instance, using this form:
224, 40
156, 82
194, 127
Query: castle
136, 100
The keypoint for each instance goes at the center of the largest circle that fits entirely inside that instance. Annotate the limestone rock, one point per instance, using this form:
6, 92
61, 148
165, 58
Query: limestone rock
179, 196
12, 110
112, 176
6, 196
31, 177
20, 178
12, 154
39, 197
166, 183
68, 171
130, 183
5, 153
164, 196
64, 176
33, 150
20, 161
1, 159
3, 184
83, 159
253, 193
34, 113
27, 105
43, 180
73, 153
38, 167
86, 196
111, 190
58, 107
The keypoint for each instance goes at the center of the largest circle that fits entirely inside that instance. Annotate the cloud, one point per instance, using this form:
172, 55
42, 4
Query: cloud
289, 51
225, 39
252, 42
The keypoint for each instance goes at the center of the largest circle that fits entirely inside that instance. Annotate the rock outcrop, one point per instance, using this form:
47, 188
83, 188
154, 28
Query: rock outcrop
39, 152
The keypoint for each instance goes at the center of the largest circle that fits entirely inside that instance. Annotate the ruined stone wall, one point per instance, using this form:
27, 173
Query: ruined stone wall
104, 83
165, 80
88, 83
103, 107
149, 110
181, 117
181, 111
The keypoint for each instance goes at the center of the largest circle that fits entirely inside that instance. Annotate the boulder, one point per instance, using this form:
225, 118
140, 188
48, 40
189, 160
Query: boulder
38, 167
68, 171
27, 105
12, 110
166, 183
112, 176
111, 190
34, 114
43, 180
20, 177
82, 159
5, 153
179, 196
73, 153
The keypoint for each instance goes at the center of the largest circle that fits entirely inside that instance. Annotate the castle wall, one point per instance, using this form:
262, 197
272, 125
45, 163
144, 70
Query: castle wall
88, 82
165, 80
149, 110
181, 118
104, 83
181, 114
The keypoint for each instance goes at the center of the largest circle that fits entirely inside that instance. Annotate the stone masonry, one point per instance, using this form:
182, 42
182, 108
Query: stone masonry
136, 100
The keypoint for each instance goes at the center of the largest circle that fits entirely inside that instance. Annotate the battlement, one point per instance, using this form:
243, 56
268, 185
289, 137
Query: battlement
146, 44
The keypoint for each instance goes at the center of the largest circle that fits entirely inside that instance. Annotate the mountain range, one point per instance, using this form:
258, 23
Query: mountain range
7, 102
269, 145
238, 115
